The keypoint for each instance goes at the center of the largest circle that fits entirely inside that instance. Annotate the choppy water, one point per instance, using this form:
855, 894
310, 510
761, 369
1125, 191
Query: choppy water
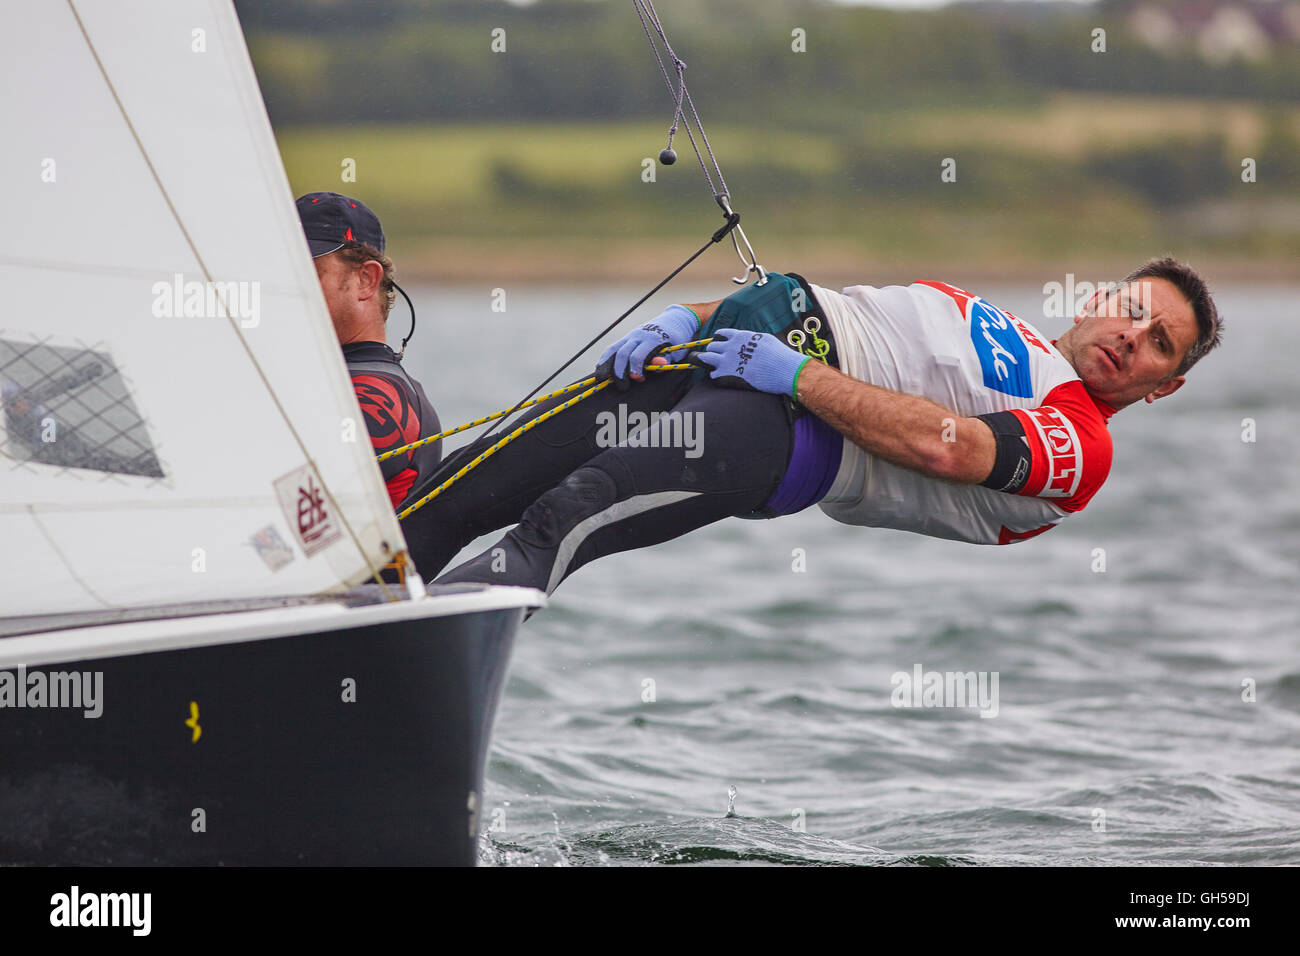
1119, 691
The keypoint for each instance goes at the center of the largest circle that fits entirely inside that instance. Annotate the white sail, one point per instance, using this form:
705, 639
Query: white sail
147, 454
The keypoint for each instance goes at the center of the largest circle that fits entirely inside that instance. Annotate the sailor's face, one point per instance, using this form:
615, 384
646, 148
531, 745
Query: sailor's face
338, 281
1128, 342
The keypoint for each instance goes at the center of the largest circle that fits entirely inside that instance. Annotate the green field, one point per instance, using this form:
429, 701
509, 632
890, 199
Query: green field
1091, 177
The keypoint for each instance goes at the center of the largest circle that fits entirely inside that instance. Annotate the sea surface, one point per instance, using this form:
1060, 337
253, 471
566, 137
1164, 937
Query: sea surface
1147, 650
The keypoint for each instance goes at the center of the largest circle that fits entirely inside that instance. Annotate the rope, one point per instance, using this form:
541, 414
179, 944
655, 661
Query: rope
498, 446
541, 398
528, 425
682, 97
645, 9
650, 18
721, 233
484, 420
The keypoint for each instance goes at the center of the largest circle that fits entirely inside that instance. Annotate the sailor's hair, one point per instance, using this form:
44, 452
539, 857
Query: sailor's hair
357, 253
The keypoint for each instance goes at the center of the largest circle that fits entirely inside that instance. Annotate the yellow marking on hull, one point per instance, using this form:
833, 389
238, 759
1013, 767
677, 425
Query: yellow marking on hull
193, 722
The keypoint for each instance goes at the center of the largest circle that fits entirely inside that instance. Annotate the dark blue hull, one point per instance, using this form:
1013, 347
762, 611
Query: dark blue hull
355, 746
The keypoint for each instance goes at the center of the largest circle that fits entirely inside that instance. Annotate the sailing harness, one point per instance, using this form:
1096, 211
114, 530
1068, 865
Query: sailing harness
804, 338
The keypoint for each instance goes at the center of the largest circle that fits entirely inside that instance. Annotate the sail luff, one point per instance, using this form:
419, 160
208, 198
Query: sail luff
258, 107
182, 484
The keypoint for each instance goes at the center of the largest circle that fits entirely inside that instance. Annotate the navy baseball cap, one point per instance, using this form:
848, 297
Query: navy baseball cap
329, 220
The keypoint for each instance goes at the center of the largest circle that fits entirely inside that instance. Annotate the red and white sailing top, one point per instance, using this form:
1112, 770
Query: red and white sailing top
938, 341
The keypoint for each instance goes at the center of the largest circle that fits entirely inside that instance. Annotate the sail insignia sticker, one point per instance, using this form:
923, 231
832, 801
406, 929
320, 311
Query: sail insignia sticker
308, 509
272, 548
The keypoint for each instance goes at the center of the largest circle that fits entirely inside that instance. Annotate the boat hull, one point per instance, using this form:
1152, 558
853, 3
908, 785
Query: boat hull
356, 745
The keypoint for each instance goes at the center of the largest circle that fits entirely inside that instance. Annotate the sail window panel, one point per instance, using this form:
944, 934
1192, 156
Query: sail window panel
70, 408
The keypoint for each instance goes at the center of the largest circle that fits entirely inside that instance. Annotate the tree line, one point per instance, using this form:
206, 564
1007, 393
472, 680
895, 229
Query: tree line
798, 62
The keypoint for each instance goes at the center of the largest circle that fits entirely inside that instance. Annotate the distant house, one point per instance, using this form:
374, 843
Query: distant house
1156, 27
1219, 30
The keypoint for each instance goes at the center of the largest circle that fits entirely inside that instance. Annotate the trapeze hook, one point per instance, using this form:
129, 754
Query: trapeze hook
750, 264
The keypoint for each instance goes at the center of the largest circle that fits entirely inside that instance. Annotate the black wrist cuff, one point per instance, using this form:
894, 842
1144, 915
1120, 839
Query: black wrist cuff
1011, 465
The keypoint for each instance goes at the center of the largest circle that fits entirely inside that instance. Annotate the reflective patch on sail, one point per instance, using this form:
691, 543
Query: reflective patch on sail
271, 548
69, 407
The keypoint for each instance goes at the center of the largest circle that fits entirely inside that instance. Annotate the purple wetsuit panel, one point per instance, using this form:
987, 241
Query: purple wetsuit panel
813, 464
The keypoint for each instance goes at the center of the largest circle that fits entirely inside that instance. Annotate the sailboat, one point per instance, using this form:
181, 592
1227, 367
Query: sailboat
199, 663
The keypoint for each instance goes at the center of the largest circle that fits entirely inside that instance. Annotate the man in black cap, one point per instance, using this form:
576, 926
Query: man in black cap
347, 247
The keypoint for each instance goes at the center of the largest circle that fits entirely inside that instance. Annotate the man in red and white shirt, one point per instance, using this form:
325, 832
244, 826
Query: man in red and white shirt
989, 432
932, 410
999, 394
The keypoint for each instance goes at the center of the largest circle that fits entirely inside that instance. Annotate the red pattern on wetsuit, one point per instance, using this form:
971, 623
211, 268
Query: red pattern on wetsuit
392, 420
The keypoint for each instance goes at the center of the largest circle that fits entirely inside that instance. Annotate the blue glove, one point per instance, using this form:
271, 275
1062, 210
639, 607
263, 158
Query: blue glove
753, 360
675, 326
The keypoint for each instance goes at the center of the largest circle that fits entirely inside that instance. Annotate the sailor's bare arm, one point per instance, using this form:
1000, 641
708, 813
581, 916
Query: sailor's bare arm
908, 430
704, 310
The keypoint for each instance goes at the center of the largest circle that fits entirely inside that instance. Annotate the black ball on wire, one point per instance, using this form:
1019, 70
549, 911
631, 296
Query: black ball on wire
668, 156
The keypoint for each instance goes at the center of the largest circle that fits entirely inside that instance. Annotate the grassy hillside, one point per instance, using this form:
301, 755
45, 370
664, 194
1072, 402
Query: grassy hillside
1075, 177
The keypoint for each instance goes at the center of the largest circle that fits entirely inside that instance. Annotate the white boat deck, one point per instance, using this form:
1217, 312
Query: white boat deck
199, 630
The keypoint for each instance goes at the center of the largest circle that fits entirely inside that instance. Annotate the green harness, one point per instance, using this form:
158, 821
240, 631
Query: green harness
783, 306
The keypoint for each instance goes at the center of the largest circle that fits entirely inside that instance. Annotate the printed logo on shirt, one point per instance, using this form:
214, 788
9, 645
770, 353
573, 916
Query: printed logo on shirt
1064, 456
1028, 335
1060, 439
1003, 356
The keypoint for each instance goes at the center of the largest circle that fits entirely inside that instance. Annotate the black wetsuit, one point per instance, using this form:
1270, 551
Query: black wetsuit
576, 498
630, 497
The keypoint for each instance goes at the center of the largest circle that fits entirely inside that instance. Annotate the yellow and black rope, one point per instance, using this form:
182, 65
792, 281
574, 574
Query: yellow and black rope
590, 385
